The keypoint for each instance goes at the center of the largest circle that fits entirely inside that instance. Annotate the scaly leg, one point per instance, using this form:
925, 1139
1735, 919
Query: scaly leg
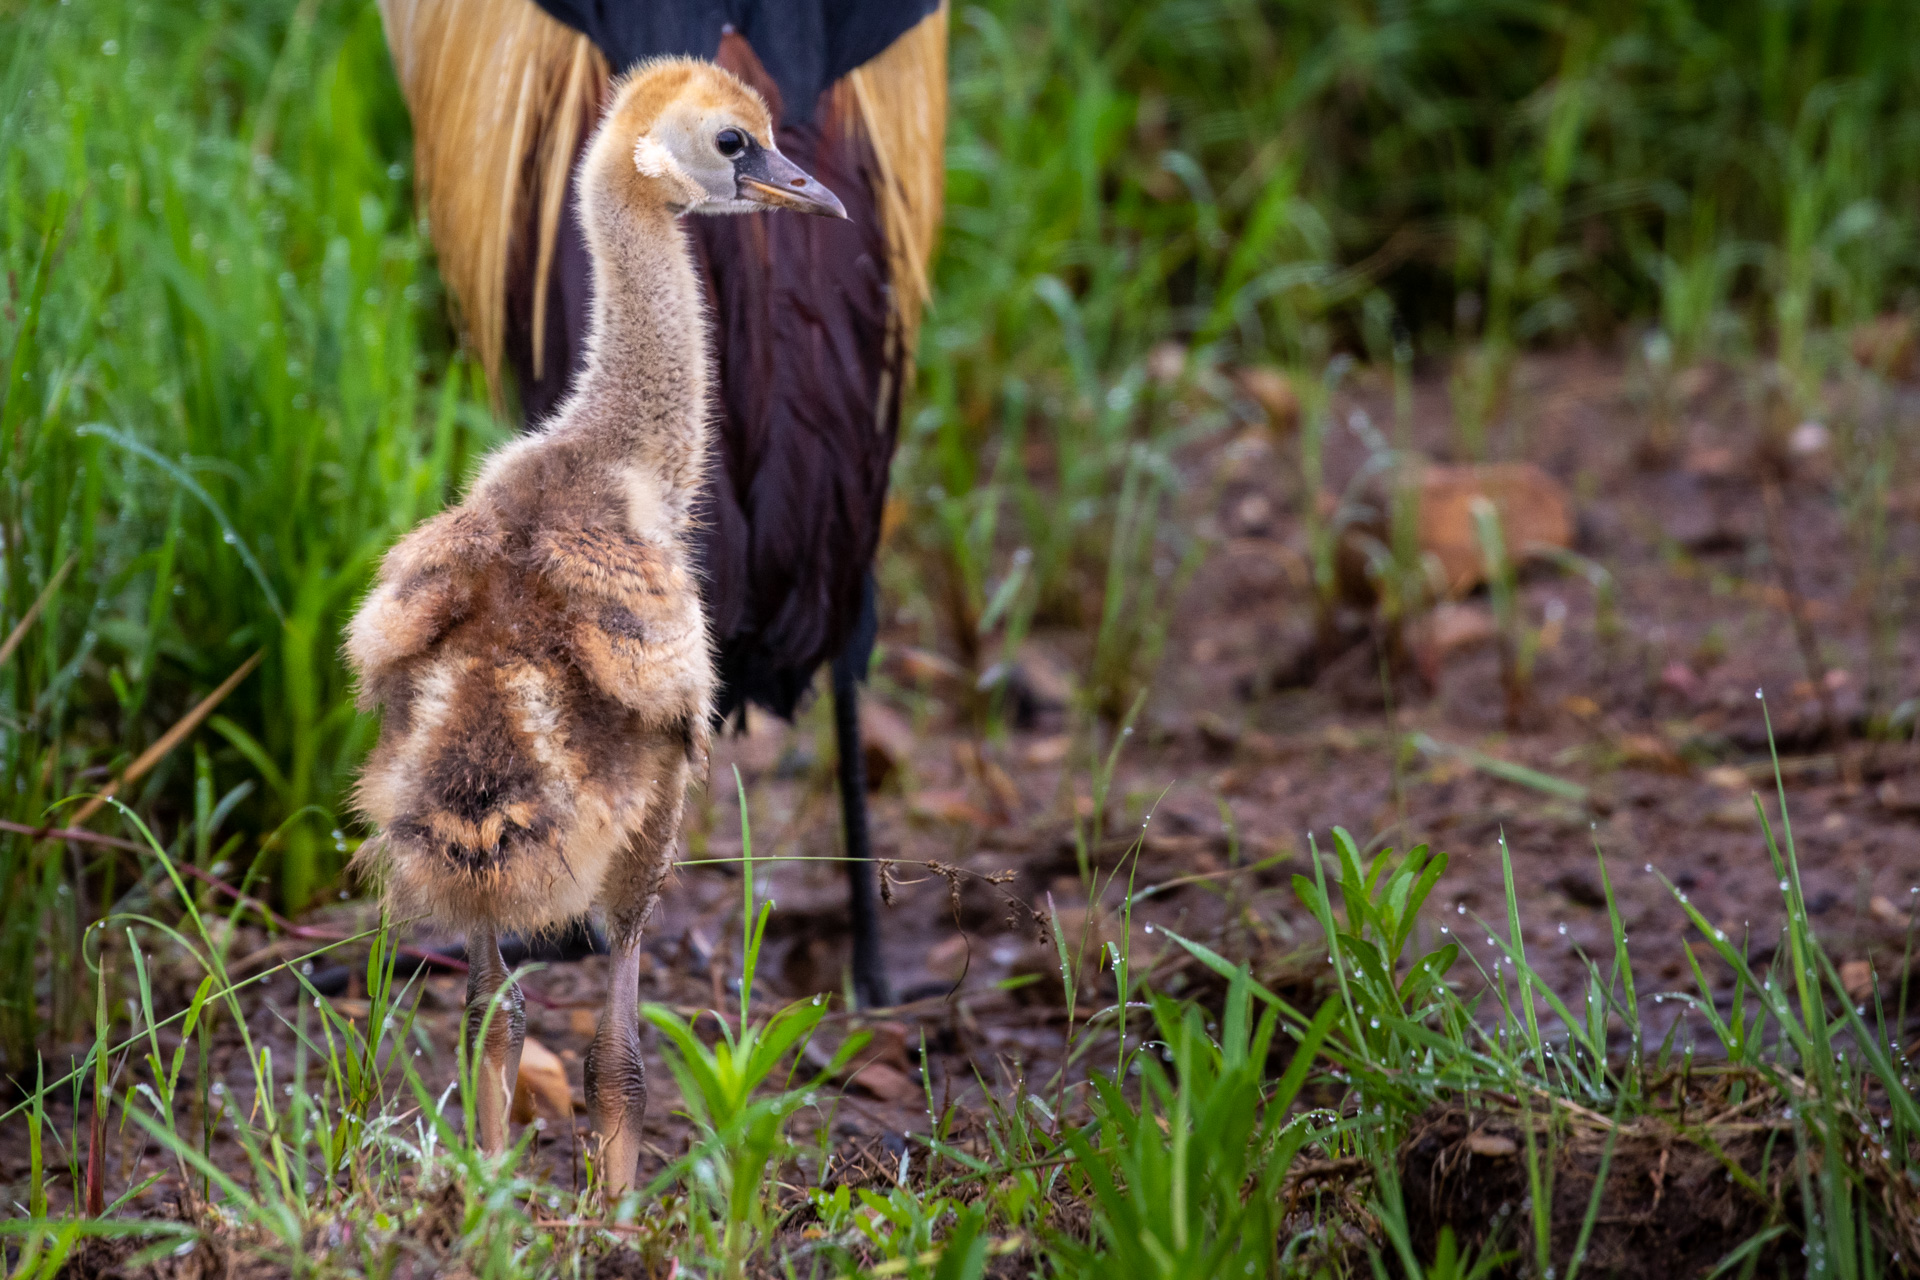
870, 984
616, 1075
496, 1060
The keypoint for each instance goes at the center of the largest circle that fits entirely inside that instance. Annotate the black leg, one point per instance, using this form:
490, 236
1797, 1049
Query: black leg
869, 974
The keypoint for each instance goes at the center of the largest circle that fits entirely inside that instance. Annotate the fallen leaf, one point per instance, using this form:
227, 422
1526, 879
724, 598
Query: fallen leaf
886, 1083
542, 1088
1536, 512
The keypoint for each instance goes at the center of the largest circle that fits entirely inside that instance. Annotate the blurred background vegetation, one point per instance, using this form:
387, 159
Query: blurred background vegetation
230, 383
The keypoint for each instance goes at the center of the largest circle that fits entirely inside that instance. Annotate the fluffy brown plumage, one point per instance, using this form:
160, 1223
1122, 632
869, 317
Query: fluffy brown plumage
541, 651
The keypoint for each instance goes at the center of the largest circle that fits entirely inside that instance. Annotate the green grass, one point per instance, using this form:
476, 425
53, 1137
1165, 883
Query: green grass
1182, 1155
229, 389
229, 384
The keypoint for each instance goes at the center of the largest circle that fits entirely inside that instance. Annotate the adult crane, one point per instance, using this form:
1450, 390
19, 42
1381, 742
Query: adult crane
814, 320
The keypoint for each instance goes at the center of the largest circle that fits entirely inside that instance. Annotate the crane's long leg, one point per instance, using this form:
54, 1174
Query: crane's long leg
495, 1060
870, 984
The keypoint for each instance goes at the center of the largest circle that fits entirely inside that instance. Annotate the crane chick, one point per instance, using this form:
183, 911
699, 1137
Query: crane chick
540, 651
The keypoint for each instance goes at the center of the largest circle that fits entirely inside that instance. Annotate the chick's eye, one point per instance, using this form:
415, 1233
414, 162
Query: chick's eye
730, 142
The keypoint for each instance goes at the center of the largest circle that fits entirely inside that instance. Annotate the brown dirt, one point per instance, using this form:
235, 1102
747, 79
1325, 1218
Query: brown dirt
1668, 1208
1237, 759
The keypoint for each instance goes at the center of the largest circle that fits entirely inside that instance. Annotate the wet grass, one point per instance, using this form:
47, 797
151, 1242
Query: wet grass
229, 384
1248, 1135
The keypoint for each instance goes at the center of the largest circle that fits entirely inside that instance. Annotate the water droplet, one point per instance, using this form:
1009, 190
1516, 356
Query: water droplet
1783, 886
1563, 930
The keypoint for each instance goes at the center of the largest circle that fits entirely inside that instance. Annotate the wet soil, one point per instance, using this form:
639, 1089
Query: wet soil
1258, 738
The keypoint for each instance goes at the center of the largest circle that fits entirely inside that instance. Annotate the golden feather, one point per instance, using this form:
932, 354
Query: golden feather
503, 95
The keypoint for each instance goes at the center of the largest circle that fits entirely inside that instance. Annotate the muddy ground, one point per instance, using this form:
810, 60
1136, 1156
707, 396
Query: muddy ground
1257, 736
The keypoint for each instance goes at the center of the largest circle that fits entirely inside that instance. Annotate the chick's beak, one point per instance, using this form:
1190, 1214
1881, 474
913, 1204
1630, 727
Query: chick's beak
764, 176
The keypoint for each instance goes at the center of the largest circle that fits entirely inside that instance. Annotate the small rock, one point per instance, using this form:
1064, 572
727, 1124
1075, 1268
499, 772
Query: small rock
1272, 390
1883, 910
1729, 778
1046, 751
1808, 439
1493, 1145
1645, 751
542, 1088
1856, 978
1166, 361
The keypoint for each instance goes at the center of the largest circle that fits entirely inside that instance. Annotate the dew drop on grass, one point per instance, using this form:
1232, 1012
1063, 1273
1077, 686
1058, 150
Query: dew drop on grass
1563, 930
1783, 886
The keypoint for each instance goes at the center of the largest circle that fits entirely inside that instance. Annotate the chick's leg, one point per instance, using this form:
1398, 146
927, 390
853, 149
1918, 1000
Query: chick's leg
616, 1073
493, 1043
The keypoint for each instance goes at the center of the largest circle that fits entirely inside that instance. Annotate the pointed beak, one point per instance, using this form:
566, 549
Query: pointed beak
766, 177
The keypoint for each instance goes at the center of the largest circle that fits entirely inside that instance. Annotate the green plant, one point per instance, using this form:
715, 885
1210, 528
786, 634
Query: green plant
1186, 1181
228, 389
744, 1132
